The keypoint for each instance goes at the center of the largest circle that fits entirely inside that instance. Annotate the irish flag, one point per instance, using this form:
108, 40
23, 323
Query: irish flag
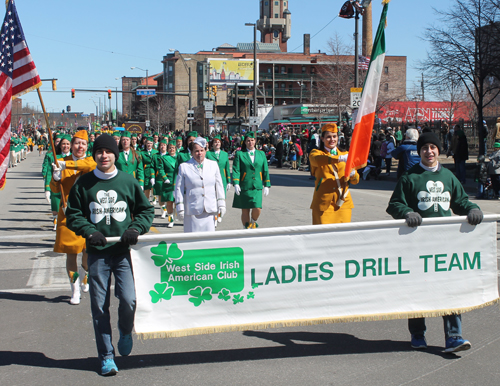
362, 134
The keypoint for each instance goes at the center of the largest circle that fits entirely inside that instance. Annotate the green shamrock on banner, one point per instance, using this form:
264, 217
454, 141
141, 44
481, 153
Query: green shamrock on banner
224, 295
200, 295
162, 292
161, 255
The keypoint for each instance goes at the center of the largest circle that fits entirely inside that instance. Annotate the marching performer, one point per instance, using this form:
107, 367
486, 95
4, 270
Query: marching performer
129, 161
251, 180
222, 159
148, 163
327, 166
65, 174
199, 193
167, 168
184, 155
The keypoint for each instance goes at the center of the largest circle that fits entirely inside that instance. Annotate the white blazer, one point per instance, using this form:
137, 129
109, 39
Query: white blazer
198, 191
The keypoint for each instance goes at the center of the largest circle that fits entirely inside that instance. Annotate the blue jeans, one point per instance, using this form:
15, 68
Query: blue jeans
452, 326
100, 269
460, 170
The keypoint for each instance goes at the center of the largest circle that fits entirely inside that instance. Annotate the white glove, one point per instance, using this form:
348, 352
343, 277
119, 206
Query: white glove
47, 196
180, 215
222, 211
343, 157
56, 174
237, 190
152, 180
353, 173
166, 181
62, 164
266, 191
228, 186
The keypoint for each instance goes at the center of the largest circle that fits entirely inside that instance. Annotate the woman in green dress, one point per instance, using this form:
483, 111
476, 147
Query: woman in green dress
222, 159
162, 152
129, 161
251, 180
185, 154
148, 162
167, 172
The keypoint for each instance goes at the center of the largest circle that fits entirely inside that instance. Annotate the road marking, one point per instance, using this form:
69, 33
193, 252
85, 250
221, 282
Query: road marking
30, 236
49, 272
154, 230
14, 250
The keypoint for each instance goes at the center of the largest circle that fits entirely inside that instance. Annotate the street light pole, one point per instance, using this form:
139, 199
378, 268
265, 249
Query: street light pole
254, 25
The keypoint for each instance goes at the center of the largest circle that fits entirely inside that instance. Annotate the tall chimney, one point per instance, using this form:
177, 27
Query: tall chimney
307, 44
367, 44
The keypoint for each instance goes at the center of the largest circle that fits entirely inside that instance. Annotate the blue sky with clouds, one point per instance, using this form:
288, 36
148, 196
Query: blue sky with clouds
88, 44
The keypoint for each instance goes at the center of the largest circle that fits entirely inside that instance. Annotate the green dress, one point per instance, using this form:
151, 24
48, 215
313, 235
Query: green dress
251, 177
222, 160
167, 167
132, 165
149, 170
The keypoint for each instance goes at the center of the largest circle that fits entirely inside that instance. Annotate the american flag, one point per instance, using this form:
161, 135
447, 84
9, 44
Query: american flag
18, 75
363, 62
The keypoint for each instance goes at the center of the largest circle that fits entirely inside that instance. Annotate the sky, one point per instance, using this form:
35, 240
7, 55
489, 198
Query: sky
87, 44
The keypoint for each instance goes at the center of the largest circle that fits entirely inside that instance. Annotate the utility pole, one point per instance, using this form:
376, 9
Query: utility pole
422, 85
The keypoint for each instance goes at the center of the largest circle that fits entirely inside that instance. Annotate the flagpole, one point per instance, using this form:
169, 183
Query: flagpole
63, 199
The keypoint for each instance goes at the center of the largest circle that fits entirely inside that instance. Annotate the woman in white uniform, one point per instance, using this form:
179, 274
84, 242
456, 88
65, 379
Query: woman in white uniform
199, 192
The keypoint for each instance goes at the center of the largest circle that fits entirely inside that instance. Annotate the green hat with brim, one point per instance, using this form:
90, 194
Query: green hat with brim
117, 134
171, 143
66, 136
193, 134
164, 140
126, 134
133, 135
250, 134
218, 137
178, 138
149, 139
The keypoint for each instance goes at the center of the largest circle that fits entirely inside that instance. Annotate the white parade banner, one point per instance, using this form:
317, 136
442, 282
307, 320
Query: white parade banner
199, 283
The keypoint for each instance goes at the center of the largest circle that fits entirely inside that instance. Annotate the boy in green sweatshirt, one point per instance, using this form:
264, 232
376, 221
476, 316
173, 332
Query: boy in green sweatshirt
106, 203
429, 190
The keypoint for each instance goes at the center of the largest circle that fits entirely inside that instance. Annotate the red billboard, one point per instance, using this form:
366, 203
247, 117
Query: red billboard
425, 111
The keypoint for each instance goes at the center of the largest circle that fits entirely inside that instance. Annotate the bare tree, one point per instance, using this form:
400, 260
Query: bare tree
335, 78
461, 49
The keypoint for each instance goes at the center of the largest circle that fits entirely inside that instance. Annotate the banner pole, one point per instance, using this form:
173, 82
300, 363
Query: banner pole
63, 199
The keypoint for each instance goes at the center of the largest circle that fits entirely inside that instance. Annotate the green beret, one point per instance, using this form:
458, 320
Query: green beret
66, 136
164, 140
172, 143
193, 134
117, 134
250, 134
134, 135
127, 134
218, 137
179, 138
150, 139
158, 134
98, 132
59, 136
496, 145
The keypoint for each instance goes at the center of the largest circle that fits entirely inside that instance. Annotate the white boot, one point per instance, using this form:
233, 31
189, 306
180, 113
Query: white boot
75, 296
170, 220
164, 212
55, 222
85, 279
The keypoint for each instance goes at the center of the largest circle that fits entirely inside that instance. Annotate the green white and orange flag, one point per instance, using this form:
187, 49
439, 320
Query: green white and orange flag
361, 136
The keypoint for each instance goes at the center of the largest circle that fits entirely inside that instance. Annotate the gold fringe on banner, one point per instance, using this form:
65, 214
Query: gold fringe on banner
32, 88
309, 322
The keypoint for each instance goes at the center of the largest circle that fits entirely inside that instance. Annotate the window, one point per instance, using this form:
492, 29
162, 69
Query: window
283, 86
276, 16
283, 70
276, 70
200, 70
170, 86
313, 70
386, 87
200, 86
290, 70
170, 68
266, 3
276, 3
269, 70
303, 69
386, 70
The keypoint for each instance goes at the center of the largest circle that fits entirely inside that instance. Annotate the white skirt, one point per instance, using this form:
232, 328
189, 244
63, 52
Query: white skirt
204, 222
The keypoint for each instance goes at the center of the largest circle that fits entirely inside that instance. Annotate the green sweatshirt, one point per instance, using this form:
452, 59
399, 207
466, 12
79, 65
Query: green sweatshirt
107, 206
432, 194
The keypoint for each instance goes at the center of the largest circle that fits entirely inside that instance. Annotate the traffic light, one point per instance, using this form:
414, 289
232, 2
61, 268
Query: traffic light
68, 108
109, 94
54, 86
72, 93
208, 91
214, 90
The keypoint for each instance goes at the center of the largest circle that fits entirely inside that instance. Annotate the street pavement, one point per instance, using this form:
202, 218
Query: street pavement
45, 340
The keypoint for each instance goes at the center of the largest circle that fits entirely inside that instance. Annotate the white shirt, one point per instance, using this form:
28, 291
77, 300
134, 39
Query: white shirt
252, 157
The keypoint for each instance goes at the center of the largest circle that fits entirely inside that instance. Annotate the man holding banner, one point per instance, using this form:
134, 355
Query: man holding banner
105, 203
429, 190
